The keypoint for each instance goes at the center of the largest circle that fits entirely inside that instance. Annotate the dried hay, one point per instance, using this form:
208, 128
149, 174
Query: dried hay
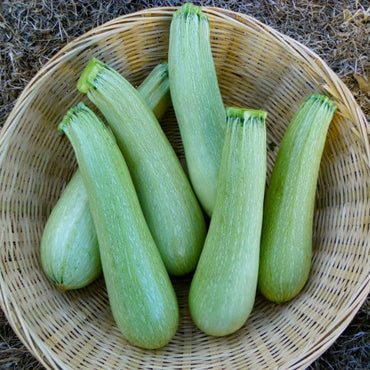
338, 31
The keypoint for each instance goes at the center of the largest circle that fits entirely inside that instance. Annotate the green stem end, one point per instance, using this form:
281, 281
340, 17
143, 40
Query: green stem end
244, 115
71, 113
89, 75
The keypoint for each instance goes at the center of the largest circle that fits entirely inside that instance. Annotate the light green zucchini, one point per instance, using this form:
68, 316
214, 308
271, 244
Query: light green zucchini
166, 197
286, 243
140, 292
197, 100
155, 90
69, 247
223, 288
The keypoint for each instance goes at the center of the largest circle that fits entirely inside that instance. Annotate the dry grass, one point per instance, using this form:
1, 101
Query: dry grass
32, 31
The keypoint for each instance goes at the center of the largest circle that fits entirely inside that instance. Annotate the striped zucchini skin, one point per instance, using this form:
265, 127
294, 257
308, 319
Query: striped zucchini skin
141, 295
170, 207
69, 246
286, 242
223, 288
155, 90
197, 100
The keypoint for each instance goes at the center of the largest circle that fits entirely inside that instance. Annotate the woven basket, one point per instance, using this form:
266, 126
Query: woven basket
257, 68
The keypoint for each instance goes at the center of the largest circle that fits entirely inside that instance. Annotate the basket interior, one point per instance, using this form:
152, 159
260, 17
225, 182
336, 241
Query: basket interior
256, 69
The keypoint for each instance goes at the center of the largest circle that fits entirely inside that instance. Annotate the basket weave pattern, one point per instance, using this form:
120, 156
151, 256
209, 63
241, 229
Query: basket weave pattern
257, 68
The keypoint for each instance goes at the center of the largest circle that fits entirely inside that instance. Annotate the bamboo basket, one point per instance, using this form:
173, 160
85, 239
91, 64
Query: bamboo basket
257, 68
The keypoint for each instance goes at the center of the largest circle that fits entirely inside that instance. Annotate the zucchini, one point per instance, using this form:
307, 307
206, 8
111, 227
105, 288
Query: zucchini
286, 243
166, 197
155, 90
140, 292
223, 288
69, 247
197, 100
